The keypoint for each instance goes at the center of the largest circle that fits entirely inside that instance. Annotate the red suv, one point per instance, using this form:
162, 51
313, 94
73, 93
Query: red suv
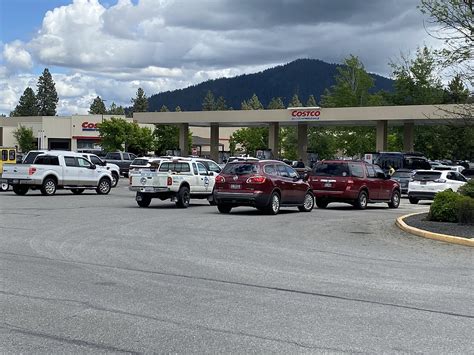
265, 184
354, 182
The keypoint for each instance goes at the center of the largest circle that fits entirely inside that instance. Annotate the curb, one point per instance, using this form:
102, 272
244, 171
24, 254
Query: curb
425, 234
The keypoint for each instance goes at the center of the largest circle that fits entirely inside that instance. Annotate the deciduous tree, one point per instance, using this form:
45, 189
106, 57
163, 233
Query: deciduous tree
25, 138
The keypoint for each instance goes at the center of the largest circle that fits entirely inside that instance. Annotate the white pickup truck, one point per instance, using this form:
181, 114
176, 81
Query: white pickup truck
178, 180
57, 170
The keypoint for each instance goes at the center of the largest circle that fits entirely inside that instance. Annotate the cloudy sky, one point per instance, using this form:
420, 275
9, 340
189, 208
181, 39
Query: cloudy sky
110, 48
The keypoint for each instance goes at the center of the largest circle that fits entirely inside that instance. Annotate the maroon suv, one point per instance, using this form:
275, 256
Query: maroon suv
265, 184
354, 182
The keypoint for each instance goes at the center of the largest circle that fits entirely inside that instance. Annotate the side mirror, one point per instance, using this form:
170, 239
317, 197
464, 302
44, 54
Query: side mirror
306, 176
380, 175
92, 166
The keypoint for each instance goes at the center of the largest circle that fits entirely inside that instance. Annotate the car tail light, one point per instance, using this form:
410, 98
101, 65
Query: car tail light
256, 179
130, 180
169, 181
31, 171
220, 179
440, 180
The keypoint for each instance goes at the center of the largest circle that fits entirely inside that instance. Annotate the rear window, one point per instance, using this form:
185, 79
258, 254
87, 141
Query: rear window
240, 169
402, 174
175, 167
4, 155
140, 162
426, 176
30, 157
47, 160
331, 169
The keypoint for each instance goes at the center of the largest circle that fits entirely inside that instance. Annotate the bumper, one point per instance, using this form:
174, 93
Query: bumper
344, 195
149, 189
257, 198
422, 195
20, 181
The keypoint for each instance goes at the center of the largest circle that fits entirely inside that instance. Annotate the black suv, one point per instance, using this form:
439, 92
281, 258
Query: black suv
411, 161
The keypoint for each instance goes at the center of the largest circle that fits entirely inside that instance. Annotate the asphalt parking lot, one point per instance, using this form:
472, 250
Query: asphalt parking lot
94, 273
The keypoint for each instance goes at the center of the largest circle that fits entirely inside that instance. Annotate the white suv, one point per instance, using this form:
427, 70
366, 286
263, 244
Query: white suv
426, 183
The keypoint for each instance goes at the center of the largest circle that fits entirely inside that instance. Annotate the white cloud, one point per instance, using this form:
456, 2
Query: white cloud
166, 44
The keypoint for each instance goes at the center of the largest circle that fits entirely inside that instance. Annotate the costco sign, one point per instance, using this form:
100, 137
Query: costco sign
305, 114
89, 126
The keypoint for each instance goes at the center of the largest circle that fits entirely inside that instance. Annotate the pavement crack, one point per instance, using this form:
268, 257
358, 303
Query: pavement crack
249, 285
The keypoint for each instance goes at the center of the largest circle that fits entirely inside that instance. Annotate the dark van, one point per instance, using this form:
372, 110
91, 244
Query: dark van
410, 161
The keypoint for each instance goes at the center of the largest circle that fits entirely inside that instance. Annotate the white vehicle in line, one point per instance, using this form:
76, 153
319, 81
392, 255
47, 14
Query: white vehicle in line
114, 168
179, 179
57, 170
425, 184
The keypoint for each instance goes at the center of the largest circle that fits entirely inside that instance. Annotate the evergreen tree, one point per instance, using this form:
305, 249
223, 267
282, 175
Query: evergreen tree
178, 109
97, 107
252, 104
140, 102
456, 92
221, 104
311, 101
295, 101
275, 104
164, 109
209, 103
27, 105
47, 97
116, 110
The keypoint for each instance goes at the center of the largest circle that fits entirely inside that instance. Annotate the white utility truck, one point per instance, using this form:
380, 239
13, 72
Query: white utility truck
178, 179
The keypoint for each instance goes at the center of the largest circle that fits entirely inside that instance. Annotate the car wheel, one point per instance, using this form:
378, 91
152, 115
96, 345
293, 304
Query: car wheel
77, 191
224, 208
321, 203
49, 187
308, 203
394, 200
115, 179
144, 200
20, 189
273, 206
413, 200
183, 197
4, 186
104, 186
361, 202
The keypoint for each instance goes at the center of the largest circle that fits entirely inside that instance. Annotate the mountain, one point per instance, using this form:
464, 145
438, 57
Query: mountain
303, 76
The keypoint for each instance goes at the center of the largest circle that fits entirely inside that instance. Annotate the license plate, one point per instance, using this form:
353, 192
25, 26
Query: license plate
327, 184
147, 189
422, 182
235, 186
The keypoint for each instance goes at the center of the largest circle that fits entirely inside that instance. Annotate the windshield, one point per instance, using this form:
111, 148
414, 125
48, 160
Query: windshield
402, 174
141, 162
240, 169
426, 176
331, 169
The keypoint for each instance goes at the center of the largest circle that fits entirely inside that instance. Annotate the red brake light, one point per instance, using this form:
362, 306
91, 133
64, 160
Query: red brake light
256, 179
220, 179
31, 171
169, 182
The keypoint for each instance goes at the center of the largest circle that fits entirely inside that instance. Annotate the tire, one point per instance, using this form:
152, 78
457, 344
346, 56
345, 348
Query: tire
183, 197
212, 203
413, 200
145, 200
321, 203
104, 186
4, 186
115, 179
224, 208
77, 191
361, 202
273, 206
308, 203
48, 188
20, 189
394, 200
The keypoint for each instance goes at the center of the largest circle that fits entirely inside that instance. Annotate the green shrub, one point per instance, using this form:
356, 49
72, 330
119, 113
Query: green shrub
467, 189
443, 208
465, 210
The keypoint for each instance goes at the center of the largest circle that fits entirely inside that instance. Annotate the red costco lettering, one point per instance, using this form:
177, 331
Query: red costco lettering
313, 113
89, 125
